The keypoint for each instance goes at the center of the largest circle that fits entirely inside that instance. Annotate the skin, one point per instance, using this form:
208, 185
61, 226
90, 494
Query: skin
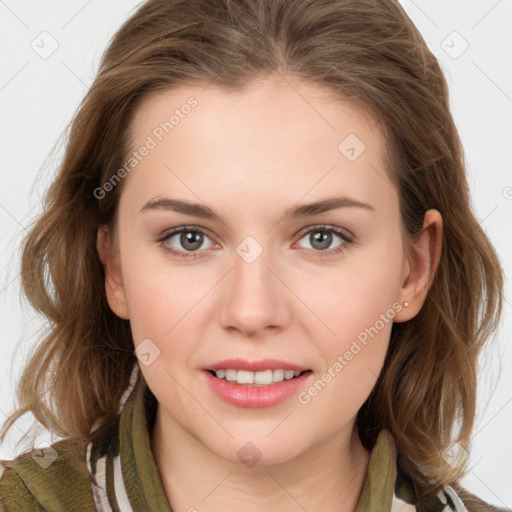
249, 156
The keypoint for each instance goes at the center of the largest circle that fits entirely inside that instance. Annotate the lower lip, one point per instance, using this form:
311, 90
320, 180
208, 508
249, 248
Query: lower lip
254, 396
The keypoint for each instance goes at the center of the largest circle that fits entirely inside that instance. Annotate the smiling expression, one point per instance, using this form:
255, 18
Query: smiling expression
290, 247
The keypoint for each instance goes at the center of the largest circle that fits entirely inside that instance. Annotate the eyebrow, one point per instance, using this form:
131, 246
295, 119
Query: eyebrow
303, 210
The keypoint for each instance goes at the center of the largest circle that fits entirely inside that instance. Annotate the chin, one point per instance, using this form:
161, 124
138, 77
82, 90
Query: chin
250, 451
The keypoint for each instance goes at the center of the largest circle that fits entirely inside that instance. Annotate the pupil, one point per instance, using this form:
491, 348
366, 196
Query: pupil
188, 238
324, 238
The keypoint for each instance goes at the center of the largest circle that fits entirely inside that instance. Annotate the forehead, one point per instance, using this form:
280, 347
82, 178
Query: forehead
264, 107
278, 138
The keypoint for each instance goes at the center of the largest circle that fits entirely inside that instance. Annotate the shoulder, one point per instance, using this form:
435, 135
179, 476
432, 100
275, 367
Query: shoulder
458, 499
52, 478
473, 503
447, 500
14, 495
408, 497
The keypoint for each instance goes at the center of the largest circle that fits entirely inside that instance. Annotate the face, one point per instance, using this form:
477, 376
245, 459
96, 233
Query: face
254, 275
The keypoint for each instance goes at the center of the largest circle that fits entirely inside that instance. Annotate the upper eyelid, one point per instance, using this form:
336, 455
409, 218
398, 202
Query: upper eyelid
183, 229
326, 227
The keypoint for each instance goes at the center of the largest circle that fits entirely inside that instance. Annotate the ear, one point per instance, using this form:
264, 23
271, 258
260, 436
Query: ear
420, 267
114, 288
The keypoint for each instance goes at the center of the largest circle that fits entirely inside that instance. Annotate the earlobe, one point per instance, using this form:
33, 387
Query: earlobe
421, 265
114, 288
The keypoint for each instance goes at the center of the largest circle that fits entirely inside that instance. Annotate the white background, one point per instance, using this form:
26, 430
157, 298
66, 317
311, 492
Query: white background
38, 97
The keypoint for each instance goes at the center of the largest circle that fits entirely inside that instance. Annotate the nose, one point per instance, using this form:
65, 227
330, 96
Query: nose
254, 298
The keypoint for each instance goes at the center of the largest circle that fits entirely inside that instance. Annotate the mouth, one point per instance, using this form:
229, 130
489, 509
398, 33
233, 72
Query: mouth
266, 384
260, 378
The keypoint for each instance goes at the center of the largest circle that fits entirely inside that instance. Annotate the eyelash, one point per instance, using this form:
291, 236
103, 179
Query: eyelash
347, 240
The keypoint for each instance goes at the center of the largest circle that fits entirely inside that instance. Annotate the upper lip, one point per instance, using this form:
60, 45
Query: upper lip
255, 366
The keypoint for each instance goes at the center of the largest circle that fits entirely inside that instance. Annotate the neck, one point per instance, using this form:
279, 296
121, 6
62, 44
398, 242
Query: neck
328, 476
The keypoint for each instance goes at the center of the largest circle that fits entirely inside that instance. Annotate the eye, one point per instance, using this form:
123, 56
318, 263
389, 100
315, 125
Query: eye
320, 238
189, 240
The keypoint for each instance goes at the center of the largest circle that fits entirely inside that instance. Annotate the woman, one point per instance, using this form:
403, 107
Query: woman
315, 346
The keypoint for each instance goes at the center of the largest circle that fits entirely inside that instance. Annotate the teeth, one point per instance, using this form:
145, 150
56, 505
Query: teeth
277, 375
263, 378
289, 374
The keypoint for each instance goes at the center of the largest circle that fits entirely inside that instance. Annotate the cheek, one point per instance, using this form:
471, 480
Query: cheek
357, 306
161, 305
159, 293
352, 359
354, 297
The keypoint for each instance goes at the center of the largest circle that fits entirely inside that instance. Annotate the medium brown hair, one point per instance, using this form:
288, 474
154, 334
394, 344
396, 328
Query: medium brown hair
366, 51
